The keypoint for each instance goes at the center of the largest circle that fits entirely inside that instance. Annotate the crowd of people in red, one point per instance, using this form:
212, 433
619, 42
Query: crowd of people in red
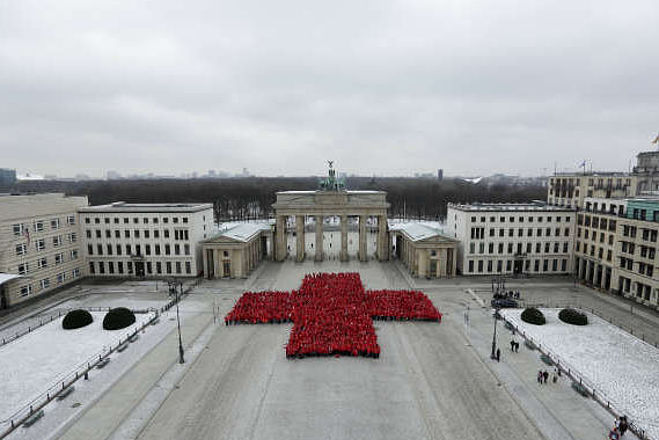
401, 305
332, 314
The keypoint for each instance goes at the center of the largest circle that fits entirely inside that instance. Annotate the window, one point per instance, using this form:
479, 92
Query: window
187, 249
21, 249
41, 244
125, 220
23, 268
118, 248
178, 267
136, 220
61, 277
116, 220
120, 267
127, 233
128, 249
529, 232
98, 233
563, 265
26, 290
97, 221
18, 229
565, 247
145, 220
175, 220
156, 234
188, 267
168, 251
38, 226
45, 283
75, 273
185, 219
155, 220
136, 233
42, 262
158, 267
177, 249
480, 266
157, 248
90, 249
73, 237
101, 268
166, 219
147, 249
146, 233
108, 249
59, 258
117, 233
166, 233
99, 249
111, 267
86, 220
92, 268
108, 233
71, 220
74, 254
168, 267
54, 223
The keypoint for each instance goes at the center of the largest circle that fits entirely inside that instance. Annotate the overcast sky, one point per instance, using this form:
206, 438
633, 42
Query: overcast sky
382, 87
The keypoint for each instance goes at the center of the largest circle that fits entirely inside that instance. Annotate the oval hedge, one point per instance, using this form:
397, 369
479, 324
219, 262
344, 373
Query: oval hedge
572, 316
77, 319
118, 318
533, 316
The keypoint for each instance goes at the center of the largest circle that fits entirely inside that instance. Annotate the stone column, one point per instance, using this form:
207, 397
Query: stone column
319, 238
280, 238
344, 238
443, 269
362, 238
383, 243
299, 228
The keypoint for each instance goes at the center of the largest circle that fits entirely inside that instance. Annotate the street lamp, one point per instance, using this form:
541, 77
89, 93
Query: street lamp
173, 284
493, 355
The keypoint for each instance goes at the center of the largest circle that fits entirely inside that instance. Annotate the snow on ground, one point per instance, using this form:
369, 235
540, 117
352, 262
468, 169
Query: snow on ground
35, 362
617, 364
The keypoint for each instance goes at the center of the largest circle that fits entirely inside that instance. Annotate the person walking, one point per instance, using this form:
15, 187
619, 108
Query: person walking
498, 355
545, 376
512, 345
539, 377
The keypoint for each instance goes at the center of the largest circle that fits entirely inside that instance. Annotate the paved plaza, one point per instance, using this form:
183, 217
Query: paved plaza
432, 381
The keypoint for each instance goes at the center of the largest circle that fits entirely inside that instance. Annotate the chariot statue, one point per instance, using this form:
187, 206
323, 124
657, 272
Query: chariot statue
331, 183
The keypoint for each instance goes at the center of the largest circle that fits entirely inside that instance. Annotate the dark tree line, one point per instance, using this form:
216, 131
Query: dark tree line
251, 198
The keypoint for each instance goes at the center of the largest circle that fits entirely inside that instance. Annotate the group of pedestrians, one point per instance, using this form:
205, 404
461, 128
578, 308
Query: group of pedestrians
514, 346
620, 426
543, 376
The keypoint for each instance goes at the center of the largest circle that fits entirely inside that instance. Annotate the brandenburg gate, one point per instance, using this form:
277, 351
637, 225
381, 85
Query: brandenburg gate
331, 200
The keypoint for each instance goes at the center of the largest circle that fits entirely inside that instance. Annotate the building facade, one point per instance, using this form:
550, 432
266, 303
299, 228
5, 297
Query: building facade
235, 253
40, 243
424, 250
145, 240
571, 189
512, 238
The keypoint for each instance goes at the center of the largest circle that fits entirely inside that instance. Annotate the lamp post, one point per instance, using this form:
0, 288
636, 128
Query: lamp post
493, 355
173, 285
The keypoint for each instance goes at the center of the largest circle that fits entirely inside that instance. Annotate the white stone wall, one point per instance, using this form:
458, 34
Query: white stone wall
48, 229
505, 233
168, 241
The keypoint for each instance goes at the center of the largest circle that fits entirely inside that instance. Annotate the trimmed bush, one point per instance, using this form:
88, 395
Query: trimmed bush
118, 318
533, 316
572, 316
77, 319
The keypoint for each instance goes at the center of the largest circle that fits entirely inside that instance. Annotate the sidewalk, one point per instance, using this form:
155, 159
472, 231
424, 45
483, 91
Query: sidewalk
559, 412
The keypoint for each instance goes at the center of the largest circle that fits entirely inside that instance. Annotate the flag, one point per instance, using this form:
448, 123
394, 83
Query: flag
656, 140
582, 164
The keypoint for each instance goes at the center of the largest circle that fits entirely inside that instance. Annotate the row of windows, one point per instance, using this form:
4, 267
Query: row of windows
136, 220
40, 225
42, 263
642, 268
44, 283
594, 235
40, 245
596, 222
130, 268
593, 248
478, 233
520, 219
118, 249
489, 266
179, 234
519, 248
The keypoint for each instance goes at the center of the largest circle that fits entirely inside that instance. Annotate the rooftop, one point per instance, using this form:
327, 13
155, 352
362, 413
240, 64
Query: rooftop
508, 207
148, 207
418, 231
244, 231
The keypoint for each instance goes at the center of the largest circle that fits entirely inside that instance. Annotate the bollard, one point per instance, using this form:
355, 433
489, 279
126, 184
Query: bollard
31, 410
86, 375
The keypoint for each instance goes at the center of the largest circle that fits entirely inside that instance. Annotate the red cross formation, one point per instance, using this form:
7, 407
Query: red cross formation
332, 314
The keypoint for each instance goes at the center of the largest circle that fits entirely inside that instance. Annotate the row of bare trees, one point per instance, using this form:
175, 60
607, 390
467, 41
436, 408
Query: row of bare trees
252, 198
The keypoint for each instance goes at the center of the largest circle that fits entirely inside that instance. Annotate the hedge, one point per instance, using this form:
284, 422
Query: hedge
572, 316
118, 318
533, 316
77, 319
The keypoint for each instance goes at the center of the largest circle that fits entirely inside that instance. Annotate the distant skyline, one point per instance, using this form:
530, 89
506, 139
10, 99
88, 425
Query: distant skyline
381, 87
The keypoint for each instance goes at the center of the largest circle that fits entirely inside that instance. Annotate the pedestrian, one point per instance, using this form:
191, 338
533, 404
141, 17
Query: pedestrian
539, 377
554, 377
498, 355
517, 347
545, 376
624, 425
512, 345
